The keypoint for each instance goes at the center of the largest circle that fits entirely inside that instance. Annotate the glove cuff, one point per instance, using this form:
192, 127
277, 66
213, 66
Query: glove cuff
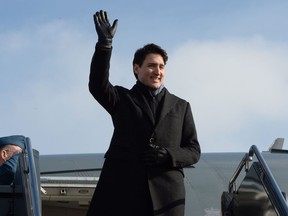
106, 43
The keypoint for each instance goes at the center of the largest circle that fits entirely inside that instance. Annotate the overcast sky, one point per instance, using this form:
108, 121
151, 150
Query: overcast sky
229, 59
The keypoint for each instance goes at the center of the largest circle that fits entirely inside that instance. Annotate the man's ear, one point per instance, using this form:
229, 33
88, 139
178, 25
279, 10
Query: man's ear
135, 68
4, 154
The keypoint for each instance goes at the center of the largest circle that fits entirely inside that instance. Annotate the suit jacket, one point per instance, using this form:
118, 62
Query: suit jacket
124, 177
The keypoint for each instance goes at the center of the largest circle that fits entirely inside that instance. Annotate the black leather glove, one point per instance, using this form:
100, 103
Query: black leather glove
156, 155
104, 30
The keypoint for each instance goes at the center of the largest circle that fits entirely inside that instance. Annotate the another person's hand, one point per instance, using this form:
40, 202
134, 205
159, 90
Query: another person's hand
155, 155
104, 30
17, 150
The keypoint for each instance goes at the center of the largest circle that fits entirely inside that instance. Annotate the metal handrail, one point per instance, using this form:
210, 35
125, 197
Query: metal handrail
244, 162
29, 181
33, 178
274, 191
267, 178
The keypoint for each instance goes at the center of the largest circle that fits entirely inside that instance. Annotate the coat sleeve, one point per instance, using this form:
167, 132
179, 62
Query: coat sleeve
99, 85
189, 151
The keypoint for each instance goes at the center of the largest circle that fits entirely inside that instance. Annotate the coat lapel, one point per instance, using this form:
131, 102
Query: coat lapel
168, 103
140, 100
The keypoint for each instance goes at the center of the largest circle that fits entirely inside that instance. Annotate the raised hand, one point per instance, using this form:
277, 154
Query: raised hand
104, 30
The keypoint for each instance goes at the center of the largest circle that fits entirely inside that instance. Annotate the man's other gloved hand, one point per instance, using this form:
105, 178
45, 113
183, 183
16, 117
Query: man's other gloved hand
104, 30
156, 155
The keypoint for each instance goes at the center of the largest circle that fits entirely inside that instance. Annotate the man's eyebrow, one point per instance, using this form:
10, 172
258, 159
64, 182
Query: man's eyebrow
154, 63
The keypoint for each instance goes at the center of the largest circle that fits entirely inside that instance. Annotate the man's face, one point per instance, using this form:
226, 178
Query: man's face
151, 73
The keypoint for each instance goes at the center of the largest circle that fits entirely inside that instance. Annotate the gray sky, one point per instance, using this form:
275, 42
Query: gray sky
227, 58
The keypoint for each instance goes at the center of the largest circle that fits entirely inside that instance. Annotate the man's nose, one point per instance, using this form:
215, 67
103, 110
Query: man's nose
157, 71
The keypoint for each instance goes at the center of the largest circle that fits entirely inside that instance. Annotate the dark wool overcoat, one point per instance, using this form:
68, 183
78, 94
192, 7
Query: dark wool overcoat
126, 186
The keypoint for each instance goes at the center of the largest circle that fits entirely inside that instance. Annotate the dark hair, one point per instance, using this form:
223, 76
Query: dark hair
7, 146
141, 54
